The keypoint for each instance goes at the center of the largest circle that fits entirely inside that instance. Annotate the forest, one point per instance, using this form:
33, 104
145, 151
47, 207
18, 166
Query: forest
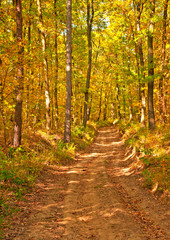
70, 67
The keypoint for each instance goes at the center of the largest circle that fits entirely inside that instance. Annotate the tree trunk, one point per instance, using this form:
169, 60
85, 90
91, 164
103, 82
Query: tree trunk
162, 78
138, 72
124, 103
56, 65
89, 31
20, 75
29, 68
47, 92
100, 102
140, 49
151, 116
130, 106
118, 101
67, 130
2, 112
90, 107
112, 100
105, 108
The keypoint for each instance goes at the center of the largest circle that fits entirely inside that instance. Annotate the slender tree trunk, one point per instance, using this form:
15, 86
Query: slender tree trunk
162, 78
118, 92
112, 109
140, 49
56, 64
151, 116
130, 96
105, 108
2, 112
118, 101
29, 67
124, 103
81, 109
130, 106
90, 9
90, 107
67, 130
137, 68
112, 101
100, 102
47, 91
138, 72
20, 75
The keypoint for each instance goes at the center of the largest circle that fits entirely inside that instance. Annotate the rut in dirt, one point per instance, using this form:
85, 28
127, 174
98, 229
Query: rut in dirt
100, 198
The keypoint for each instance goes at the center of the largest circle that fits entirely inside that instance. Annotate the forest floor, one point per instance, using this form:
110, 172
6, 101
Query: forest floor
101, 197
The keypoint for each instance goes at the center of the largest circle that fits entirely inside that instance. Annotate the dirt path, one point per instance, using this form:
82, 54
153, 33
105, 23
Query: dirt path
99, 198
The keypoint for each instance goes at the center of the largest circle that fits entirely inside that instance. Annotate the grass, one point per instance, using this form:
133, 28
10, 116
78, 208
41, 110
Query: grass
83, 137
153, 151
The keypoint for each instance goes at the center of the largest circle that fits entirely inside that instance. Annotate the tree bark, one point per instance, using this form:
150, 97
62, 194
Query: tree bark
118, 101
162, 78
100, 102
90, 107
47, 91
140, 49
112, 101
56, 64
151, 116
105, 108
2, 112
130, 104
90, 9
20, 75
29, 67
67, 131
124, 103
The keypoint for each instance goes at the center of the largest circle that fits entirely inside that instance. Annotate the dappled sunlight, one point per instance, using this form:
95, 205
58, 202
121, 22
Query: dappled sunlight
85, 218
87, 180
91, 212
47, 207
130, 156
109, 144
74, 171
106, 150
94, 154
126, 171
107, 138
73, 182
112, 212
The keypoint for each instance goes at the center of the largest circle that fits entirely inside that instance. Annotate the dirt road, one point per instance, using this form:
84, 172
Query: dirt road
99, 198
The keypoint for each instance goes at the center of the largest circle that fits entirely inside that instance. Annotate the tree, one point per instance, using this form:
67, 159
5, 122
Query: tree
140, 6
151, 115
90, 15
163, 65
45, 60
20, 75
56, 63
67, 130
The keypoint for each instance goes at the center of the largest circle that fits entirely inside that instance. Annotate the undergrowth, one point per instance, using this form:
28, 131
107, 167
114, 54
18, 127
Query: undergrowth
152, 148
83, 137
